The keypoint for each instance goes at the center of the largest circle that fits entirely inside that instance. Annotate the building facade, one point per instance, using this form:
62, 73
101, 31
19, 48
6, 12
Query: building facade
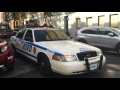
78, 20
18, 23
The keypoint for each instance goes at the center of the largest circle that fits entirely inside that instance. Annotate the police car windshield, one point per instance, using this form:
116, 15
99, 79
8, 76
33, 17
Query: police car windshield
49, 35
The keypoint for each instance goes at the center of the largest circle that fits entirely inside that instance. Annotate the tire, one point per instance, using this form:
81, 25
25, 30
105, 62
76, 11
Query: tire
83, 41
44, 65
118, 50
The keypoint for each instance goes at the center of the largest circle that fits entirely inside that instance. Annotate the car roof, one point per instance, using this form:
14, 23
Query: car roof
42, 28
95, 27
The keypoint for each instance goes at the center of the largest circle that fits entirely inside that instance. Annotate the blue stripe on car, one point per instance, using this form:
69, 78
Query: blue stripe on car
26, 53
41, 47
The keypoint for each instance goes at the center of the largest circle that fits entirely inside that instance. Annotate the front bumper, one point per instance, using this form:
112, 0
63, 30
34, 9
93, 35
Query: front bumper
3, 67
7, 59
78, 67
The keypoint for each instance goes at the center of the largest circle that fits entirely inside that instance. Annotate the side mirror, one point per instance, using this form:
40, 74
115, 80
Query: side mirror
110, 34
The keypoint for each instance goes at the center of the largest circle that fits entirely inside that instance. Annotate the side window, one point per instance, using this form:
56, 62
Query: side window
21, 33
103, 31
40, 35
28, 36
84, 31
90, 31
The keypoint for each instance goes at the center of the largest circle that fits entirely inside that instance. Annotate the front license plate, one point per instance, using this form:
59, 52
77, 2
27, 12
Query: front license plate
93, 66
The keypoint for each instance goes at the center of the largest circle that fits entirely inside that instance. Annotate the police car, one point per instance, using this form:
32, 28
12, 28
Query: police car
54, 51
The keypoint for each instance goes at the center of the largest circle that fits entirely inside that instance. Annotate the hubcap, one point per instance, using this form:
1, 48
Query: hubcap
42, 64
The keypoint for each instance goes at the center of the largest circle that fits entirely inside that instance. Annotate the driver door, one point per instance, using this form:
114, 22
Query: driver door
27, 45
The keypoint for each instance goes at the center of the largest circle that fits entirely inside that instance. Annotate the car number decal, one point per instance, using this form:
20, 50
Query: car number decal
27, 47
83, 49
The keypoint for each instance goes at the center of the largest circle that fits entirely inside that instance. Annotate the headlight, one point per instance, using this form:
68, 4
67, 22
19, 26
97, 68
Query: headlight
70, 58
99, 53
5, 48
66, 58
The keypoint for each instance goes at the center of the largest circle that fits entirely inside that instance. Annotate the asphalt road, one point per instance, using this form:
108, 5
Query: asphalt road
25, 68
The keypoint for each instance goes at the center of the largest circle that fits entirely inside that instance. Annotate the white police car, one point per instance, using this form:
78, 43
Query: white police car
54, 51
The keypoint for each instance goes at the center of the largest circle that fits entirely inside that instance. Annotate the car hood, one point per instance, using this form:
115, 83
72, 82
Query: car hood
67, 47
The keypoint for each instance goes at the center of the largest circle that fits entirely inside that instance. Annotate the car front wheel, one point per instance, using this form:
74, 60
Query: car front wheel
44, 65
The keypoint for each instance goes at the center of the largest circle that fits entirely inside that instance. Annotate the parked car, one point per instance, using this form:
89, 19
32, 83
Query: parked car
54, 51
15, 31
105, 37
6, 56
6, 34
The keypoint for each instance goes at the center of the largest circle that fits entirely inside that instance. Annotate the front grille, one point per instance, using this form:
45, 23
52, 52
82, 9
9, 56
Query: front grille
87, 54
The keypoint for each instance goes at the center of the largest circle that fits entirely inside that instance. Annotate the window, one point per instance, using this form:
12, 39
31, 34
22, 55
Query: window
21, 33
114, 20
29, 36
84, 31
103, 31
77, 23
89, 21
90, 31
49, 35
101, 20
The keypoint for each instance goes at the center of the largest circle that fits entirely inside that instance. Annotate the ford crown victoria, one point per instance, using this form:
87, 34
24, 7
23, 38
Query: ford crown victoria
54, 51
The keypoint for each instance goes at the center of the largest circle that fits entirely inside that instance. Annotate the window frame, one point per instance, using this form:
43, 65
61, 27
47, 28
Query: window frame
78, 23
99, 20
23, 34
110, 23
87, 21
31, 34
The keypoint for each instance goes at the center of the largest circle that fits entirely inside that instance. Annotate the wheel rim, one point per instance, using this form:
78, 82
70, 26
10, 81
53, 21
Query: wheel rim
42, 66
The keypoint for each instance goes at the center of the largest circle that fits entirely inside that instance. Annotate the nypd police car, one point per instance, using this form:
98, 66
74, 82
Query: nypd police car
54, 51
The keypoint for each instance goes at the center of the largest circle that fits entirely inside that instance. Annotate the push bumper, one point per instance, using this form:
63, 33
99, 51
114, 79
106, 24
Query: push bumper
88, 64
78, 67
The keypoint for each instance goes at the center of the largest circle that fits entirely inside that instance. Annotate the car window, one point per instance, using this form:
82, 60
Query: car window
84, 31
50, 35
90, 31
116, 30
103, 31
28, 36
21, 33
